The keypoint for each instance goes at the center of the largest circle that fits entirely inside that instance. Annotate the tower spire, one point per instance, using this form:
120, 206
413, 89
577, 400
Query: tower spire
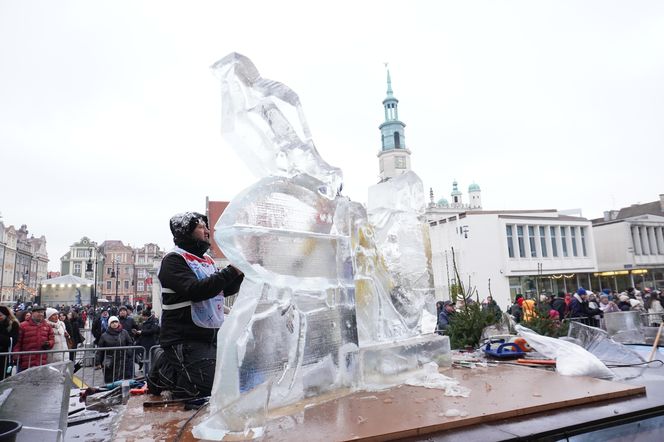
390, 93
394, 156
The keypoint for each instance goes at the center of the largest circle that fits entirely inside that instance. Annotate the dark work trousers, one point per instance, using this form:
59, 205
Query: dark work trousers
194, 364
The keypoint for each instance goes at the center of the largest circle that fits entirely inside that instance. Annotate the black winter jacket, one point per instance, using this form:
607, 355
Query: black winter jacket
8, 334
149, 333
128, 324
176, 325
113, 338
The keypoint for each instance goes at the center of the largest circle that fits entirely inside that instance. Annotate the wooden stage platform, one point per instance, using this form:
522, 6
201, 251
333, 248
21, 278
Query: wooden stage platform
497, 393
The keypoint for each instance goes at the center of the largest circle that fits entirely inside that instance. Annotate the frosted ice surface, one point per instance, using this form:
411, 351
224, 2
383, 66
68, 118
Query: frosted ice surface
44, 388
282, 231
625, 327
321, 280
264, 122
396, 209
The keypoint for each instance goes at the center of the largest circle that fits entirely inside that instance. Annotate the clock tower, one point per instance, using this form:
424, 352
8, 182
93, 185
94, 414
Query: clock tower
394, 157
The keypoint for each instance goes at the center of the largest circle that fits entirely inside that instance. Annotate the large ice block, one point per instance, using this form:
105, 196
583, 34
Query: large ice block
625, 327
396, 210
281, 231
391, 363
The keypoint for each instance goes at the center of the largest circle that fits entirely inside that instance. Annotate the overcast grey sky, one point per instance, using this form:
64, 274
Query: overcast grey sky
109, 113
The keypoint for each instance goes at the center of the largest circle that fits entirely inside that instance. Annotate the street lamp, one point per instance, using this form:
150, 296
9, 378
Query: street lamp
89, 269
115, 273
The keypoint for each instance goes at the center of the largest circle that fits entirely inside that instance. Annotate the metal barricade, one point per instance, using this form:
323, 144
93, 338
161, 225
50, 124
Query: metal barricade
652, 319
111, 363
592, 322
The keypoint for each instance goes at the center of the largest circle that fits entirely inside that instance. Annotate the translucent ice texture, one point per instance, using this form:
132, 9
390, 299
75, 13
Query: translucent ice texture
264, 122
320, 280
282, 231
396, 209
38, 398
625, 327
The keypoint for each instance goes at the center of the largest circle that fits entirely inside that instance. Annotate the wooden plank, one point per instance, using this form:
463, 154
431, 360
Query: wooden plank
500, 392
496, 393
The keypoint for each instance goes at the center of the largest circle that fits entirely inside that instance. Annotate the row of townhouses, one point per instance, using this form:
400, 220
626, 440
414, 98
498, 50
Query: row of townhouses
23, 263
117, 273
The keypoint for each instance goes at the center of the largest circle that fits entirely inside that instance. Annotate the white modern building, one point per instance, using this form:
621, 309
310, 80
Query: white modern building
630, 246
504, 253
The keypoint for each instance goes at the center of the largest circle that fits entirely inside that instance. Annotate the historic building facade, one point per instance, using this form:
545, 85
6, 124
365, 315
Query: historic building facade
117, 278
147, 260
84, 260
630, 246
120, 274
23, 264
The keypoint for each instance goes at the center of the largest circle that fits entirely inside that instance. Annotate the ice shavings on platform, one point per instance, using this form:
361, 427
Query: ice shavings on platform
332, 299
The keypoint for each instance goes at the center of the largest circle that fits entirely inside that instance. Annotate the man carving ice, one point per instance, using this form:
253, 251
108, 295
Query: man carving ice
193, 293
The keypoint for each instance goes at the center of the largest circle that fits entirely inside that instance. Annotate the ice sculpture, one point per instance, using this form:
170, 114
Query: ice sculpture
317, 285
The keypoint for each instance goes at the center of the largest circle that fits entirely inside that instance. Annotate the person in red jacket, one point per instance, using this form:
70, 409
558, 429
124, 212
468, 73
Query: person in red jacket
33, 335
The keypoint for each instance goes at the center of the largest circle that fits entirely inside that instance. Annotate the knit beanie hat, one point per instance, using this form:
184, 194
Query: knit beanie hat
183, 224
50, 312
113, 319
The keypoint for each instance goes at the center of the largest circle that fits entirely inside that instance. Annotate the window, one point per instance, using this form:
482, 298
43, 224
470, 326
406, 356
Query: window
573, 233
510, 243
563, 240
77, 268
140, 286
583, 241
542, 234
126, 285
554, 241
522, 244
531, 241
397, 141
108, 285
400, 162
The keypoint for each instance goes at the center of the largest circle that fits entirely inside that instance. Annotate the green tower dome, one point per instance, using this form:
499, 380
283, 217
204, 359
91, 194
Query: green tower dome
443, 202
473, 188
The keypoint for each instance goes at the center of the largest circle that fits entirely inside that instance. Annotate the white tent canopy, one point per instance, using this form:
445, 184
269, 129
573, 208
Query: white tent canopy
67, 280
